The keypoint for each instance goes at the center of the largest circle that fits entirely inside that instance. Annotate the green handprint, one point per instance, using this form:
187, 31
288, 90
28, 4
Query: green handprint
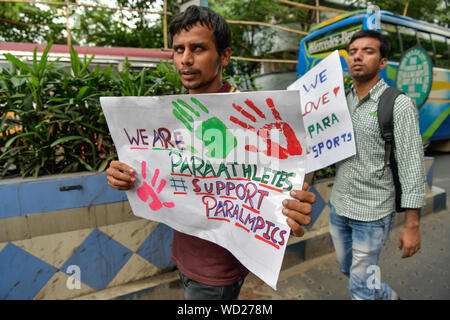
215, 135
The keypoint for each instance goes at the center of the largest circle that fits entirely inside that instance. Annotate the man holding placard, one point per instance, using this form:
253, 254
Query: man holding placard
201, 41
363, 204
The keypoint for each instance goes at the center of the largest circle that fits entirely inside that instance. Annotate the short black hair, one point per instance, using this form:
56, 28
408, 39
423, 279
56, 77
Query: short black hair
385, 43
206, 17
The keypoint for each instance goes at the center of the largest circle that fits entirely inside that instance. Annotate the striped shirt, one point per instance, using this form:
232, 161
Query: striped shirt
364, 188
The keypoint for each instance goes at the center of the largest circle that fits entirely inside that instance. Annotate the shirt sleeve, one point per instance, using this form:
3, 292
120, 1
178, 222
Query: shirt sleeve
409, 153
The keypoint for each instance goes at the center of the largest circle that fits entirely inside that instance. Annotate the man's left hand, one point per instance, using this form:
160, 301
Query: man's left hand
409, 241
410, 237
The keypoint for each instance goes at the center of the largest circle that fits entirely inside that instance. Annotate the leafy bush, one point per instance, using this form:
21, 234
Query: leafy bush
51, 120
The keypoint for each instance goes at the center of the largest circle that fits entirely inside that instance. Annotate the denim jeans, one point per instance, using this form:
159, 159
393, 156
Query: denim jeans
194, 290
358, 246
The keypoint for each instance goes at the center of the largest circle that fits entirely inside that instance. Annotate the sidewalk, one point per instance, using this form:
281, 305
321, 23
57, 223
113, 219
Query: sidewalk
426, 275
311, 271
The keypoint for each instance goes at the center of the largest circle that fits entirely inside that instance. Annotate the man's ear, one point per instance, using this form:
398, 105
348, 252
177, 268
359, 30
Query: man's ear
225, 57
383, 63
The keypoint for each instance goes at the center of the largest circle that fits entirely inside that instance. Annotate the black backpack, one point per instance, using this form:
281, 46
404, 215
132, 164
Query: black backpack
386, 125
385, 122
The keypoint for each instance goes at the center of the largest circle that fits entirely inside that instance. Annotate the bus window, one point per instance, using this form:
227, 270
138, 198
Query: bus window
408, 37
425, 43
333, 40
391, 31
442, 56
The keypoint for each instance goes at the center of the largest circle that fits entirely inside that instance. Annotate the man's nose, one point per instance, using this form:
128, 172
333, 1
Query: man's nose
357, 55
188, 58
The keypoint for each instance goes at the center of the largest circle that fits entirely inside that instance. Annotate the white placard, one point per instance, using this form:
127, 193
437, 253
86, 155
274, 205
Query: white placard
216, 166
329, 129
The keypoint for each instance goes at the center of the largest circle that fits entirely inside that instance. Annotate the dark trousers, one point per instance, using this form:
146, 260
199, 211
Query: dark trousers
194, 290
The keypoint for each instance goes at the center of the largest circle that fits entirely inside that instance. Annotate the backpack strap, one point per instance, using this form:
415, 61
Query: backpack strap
386, 124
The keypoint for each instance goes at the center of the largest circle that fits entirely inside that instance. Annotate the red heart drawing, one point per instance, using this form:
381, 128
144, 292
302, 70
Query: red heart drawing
335, 90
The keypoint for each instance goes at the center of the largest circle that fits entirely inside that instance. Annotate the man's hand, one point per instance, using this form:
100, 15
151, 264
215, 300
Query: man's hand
297, 210
120, 176
410, 237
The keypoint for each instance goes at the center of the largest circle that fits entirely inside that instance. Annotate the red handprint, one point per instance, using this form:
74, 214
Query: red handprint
273, 149
145, 190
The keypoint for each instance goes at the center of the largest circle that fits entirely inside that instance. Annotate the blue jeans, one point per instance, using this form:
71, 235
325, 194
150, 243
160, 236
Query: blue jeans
358, 246
194, 290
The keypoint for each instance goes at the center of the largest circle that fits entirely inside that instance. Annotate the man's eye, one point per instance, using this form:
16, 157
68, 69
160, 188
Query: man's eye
179, 50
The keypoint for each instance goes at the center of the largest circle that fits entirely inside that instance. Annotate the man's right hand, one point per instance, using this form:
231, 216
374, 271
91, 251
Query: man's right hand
120, 176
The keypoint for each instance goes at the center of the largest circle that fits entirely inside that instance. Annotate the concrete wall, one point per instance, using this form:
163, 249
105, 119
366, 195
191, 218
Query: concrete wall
51, 238
47, 234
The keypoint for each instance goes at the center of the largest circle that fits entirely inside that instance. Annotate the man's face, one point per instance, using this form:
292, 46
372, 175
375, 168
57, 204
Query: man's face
197, 61
364, 59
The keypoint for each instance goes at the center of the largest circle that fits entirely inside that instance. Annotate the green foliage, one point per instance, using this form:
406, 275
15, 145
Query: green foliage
241, 81
51, 120
39, 23
102, 27
24, 22
327, 172
245, 39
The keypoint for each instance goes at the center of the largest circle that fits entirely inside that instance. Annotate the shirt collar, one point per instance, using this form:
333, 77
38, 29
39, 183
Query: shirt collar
374, 93
377, 90
226, 87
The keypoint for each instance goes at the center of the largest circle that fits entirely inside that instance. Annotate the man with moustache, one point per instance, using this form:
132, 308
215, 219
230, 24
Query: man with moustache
201, 41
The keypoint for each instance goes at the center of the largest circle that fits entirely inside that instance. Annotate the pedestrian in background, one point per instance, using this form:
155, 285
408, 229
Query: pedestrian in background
363, 196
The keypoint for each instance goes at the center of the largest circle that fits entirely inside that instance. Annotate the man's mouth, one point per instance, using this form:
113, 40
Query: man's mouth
357, 66
188, 74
